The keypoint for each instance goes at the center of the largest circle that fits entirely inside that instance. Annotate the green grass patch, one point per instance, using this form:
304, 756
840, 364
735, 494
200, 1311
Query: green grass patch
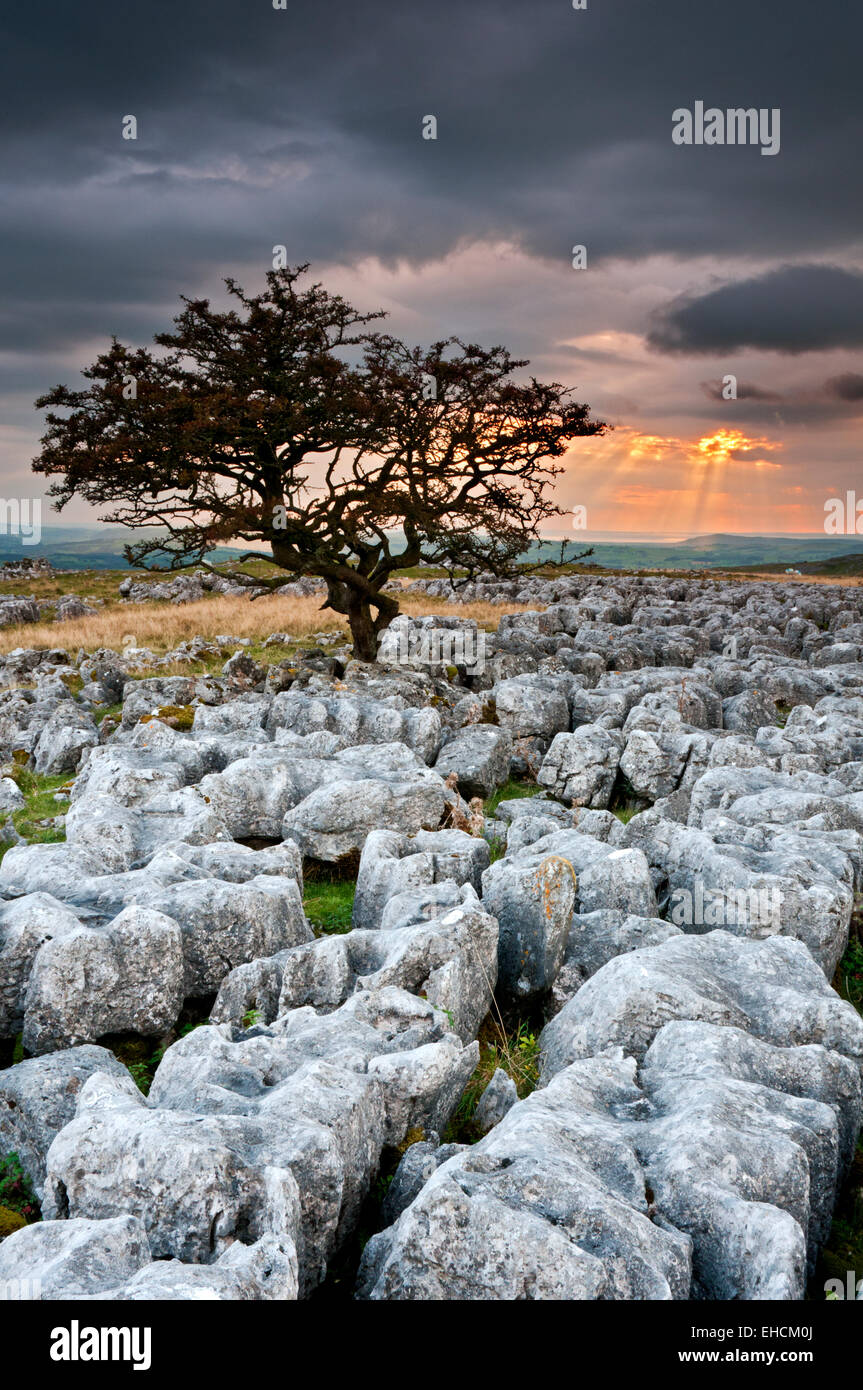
516, 1052
328, 903
19, 1205
39, 805
140, 1058
497, 849
849, 974
114, 712
510, 791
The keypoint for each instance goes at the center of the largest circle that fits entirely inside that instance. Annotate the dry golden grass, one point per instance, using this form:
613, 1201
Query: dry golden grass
847, 581
163, 626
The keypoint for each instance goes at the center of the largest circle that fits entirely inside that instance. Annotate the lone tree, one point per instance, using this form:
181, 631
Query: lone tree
287, 420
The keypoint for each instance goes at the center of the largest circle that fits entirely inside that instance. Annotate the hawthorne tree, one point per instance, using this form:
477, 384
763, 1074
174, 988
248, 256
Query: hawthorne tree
287, 420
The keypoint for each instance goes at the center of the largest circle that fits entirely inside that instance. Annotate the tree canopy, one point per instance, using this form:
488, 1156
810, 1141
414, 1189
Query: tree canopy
289, 420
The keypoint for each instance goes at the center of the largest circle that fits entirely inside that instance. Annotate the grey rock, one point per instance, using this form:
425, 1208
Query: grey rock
745, 1149
226, 924
186, 1177
358, 721
748, 711
63, 739
329, 1091
11, 796
416, 1167
498, 1098
26, 924
392, 863
335, 821
532, 897
479, 755
772, 989
126, 977
68, 1259
597, 937
581, 766
531, 706
38, 1097
549, 1206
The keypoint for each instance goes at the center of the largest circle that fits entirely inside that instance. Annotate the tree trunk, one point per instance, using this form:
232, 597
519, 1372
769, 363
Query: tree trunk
363, 632
365, 628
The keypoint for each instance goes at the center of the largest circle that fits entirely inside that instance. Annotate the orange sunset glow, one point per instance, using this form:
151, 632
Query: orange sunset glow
633, 481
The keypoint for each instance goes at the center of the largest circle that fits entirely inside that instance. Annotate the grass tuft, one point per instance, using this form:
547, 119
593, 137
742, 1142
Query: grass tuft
17, 1197
40, 806
516, 1052
510, 791
328, 902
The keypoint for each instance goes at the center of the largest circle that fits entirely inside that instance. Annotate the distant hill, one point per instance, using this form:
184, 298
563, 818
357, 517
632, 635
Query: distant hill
101, 547
88, 547
714, 552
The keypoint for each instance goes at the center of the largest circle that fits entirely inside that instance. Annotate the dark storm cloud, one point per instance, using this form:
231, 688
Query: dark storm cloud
833, 401
847, 387
746, 391
302, 126
804, 308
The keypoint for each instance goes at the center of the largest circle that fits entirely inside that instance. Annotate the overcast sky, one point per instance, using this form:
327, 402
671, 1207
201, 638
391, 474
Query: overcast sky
303, 127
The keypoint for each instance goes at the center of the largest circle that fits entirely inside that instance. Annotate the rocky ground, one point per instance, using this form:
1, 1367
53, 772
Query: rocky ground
527, 977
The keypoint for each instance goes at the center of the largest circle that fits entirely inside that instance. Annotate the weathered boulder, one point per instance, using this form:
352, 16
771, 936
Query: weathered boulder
533, 897
746, 1146
186, 1177
757, 883
581, 767
479, 755
225, 924
322, 1094
38, 1097
11, 796
748, 711
772, 989
550, 1205
449, 960
126, 977
608, 876
392, 863
531, 707
26, 924
597, 937
70, 1259
358, 721
335, 821
111, 1259
498, 1098
417, 1165
659, 761
64, 737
